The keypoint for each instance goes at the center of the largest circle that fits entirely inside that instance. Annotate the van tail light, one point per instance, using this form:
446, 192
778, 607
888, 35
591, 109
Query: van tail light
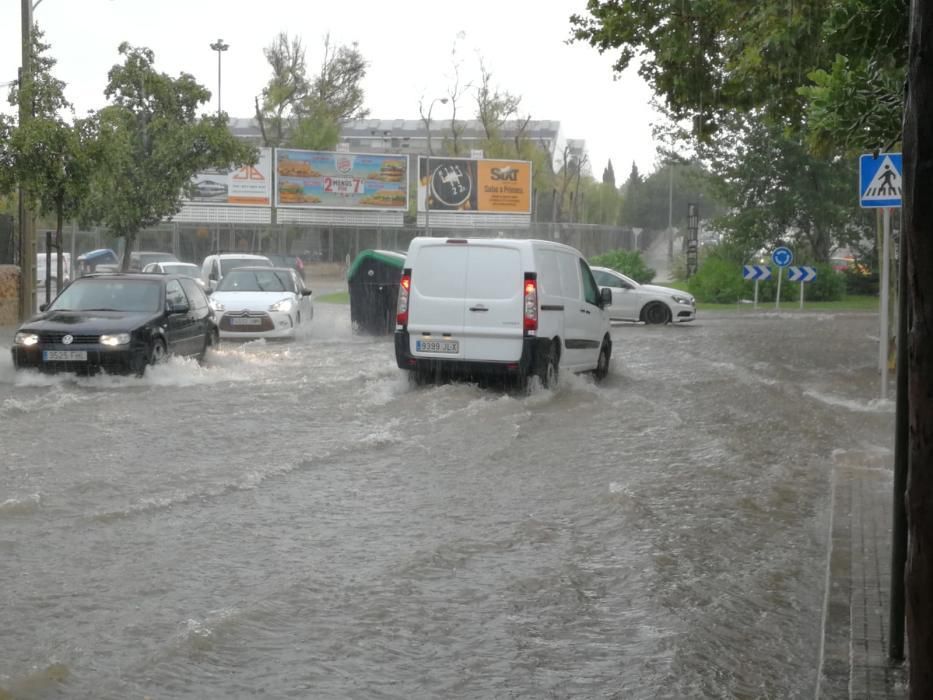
531, 304
404, 288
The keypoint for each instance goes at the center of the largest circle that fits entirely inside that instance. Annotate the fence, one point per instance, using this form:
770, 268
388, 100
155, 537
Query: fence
194, 241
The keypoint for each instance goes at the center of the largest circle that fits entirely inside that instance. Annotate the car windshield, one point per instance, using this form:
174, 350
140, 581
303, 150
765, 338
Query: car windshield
257, 281
110, 295
228, 264
181, 269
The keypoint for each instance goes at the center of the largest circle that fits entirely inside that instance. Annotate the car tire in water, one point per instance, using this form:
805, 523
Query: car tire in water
548, 369
656, 313
157, 352
602, 362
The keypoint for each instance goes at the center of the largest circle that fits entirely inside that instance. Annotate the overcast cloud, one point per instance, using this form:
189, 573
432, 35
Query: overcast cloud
408, 46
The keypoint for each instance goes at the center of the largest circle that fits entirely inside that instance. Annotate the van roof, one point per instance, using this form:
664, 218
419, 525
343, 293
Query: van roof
526, 243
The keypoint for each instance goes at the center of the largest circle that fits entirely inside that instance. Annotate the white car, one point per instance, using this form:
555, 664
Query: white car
176, 268
216, 266
261, 302
650, 303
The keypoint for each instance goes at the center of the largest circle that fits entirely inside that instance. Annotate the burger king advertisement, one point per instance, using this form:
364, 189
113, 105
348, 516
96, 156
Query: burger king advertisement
332, 180
479, 186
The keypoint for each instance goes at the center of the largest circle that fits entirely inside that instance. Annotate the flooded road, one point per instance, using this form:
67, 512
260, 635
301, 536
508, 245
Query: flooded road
296, 521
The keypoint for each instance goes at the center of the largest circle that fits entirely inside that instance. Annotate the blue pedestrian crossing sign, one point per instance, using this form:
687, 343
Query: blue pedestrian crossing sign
880, 180
782, 256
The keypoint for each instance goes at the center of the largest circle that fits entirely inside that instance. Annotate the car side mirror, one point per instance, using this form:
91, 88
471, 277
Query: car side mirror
212, 285
178, 308
305, 292
605, 297
43, 307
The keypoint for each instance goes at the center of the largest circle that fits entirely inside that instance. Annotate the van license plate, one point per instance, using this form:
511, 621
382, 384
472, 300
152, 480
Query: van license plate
444, 346
64, 355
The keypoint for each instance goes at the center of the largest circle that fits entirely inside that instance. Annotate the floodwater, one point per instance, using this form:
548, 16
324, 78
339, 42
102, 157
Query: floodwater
297, 521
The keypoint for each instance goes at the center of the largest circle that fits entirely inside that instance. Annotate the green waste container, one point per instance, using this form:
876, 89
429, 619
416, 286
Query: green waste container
373, 281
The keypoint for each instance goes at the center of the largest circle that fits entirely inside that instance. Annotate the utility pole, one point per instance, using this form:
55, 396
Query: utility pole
27, 238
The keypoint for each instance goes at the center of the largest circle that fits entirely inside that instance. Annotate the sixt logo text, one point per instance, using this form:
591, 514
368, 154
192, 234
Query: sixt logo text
504, 174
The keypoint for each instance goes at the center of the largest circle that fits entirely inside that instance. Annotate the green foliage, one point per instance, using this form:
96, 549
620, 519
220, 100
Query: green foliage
718, 281
829, 285
710, 59
780, 192
306, 112
628, 262
151, 142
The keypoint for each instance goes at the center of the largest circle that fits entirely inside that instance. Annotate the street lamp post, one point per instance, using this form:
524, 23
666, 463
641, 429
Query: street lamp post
219, 46
427, 186
27, 237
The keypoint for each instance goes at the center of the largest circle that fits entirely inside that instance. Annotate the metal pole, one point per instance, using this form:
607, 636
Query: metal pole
883, 340
670, 212
802, 285
219, 46
756, 294
901, 461
27, 239
427, 186
777, 299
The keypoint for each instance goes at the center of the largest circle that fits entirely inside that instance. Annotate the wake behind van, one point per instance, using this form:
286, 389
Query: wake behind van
497, 306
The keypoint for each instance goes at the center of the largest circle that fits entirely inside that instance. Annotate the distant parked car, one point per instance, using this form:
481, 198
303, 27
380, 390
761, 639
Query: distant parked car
650, 303
176, 268
216, 266
140, 258
119, 323
91, 261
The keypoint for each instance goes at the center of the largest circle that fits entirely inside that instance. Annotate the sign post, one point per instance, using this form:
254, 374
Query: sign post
756, 272
782, 257
802, 274
693, 228
880, 187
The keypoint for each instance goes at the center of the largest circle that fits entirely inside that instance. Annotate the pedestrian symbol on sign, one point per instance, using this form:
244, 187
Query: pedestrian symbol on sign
880, 180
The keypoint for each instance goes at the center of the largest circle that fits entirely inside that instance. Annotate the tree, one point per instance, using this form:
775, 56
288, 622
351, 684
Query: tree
780, 192
918, 218
47, 157
609, 176
307, 112
285, 90
151, 142
710, 58
493, 106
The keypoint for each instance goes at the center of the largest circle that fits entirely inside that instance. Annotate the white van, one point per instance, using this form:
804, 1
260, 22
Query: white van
215, 266
512, 307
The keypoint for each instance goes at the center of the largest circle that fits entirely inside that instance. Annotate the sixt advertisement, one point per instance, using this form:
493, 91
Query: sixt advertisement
484, 186
332, 180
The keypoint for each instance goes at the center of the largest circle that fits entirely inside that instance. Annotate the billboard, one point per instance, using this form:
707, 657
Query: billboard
483, 186
250, 185
324, 179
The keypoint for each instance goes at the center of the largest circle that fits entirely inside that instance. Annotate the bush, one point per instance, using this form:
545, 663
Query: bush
861, 282
717, 281
628, 262
829, 285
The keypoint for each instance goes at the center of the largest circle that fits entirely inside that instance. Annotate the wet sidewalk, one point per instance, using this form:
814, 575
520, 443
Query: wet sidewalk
855, 631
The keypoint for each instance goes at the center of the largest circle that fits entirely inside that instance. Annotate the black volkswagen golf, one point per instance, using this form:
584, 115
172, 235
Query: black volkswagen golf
118, 323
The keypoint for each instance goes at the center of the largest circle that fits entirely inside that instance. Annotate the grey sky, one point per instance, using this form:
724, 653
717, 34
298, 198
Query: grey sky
408, 46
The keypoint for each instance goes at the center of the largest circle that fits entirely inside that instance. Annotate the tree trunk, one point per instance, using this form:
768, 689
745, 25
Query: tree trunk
918, 223
128, 239
60, 266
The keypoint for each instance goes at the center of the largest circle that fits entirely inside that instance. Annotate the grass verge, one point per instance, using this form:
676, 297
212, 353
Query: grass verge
335, 298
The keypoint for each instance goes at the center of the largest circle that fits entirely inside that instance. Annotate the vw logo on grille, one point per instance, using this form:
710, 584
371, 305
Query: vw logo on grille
68, 339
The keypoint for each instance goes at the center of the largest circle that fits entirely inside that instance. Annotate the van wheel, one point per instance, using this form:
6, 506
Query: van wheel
657, 314
548, 370
602, 363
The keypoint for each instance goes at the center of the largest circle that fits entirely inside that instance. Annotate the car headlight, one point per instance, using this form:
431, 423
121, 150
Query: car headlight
216, 305
26, 339
284, 305
681, 299
114, 340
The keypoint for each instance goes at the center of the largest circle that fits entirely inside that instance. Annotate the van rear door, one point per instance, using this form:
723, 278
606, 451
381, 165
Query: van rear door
436, 310
493, 302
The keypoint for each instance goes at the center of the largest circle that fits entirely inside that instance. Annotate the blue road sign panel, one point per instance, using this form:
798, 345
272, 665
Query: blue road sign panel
880, 180
801, 273
756, 272
782, 257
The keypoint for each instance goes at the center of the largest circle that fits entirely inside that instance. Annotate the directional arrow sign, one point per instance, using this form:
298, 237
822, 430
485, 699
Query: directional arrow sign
801, 273
756, 272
